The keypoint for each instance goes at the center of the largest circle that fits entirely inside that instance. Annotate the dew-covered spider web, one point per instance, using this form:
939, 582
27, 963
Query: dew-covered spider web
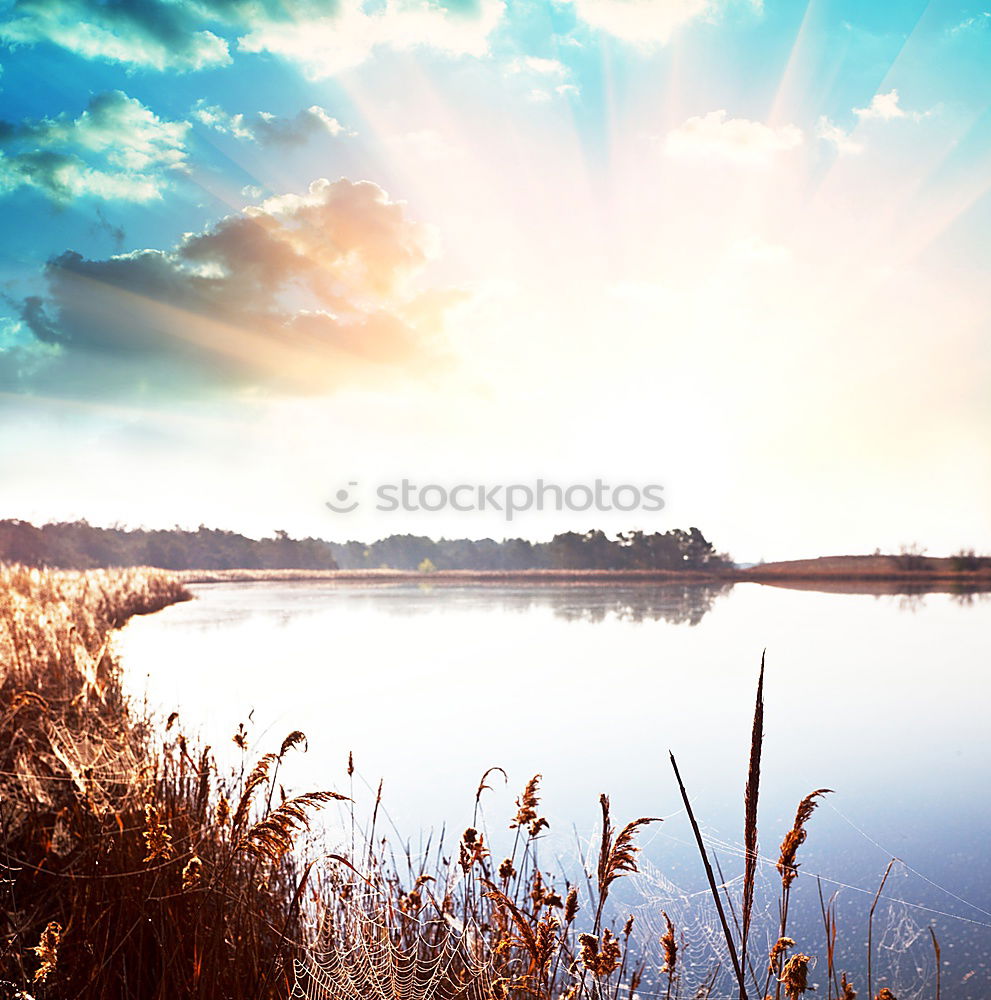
376, 963
910, 907
101, 766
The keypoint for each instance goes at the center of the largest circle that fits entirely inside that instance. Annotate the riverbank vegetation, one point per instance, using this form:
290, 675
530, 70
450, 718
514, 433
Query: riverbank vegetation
211, 555
80, 545
134, 868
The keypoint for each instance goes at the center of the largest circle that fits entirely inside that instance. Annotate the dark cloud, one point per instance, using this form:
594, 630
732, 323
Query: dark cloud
103, 225
300, 294
272, 130
268, 129
32, 312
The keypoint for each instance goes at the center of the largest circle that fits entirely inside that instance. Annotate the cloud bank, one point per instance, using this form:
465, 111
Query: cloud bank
299, 294
183, 35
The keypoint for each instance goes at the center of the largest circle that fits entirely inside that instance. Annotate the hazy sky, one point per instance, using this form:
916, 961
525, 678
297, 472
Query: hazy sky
254, 251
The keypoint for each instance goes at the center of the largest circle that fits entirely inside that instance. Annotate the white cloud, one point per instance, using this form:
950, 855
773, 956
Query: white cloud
829, 131
117, 149
546, 78
738, 139
540, 67
151, 34
214, 116
268, 129
887, 107
978, 22
648, 22
323, 46
322, 38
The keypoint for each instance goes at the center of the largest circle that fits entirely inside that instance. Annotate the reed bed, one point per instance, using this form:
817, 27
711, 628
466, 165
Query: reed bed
132, 867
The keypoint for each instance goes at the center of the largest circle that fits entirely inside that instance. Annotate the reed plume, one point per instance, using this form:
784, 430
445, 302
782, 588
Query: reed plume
795, 976
526, 808
795, 837
47, 950
617, 857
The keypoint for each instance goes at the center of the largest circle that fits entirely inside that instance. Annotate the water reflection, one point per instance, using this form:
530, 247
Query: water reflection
590, 685
675, 604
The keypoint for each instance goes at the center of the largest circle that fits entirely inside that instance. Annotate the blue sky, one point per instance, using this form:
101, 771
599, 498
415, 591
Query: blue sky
739, 248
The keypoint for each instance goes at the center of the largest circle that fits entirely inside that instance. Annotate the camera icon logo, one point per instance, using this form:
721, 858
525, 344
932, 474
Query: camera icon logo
344, 504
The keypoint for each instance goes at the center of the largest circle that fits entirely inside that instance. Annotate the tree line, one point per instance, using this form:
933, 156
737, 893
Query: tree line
676, 549
80, 545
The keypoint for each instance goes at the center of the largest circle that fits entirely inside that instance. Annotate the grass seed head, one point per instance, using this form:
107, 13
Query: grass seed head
795, 976
47, 950
795, 837
669, 945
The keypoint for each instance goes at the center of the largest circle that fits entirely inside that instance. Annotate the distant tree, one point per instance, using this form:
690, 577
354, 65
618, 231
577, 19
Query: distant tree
966, 561
913, 557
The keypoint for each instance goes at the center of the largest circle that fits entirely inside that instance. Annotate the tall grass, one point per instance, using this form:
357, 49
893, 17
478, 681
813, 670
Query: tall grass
134, 868
128, 872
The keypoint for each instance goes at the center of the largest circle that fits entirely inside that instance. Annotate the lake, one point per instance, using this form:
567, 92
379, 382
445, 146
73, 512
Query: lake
884, 699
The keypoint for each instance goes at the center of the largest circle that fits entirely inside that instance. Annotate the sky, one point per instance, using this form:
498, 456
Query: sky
257, 253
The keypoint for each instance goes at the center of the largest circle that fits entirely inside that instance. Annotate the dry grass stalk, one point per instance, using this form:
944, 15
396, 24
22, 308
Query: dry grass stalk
939, 957
829, 926
713, 888
750, 800
870, 929
788, 858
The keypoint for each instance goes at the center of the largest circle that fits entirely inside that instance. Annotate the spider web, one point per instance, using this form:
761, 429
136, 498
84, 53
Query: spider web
902, 948
103, 768
373, 965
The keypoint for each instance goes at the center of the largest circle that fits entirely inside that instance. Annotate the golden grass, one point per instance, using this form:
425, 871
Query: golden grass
134, 869
122, 879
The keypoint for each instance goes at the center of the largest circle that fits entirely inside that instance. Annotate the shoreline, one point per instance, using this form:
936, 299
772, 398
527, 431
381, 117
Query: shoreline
842, 578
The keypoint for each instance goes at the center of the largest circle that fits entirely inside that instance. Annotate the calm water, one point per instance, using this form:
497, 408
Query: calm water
883, 699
